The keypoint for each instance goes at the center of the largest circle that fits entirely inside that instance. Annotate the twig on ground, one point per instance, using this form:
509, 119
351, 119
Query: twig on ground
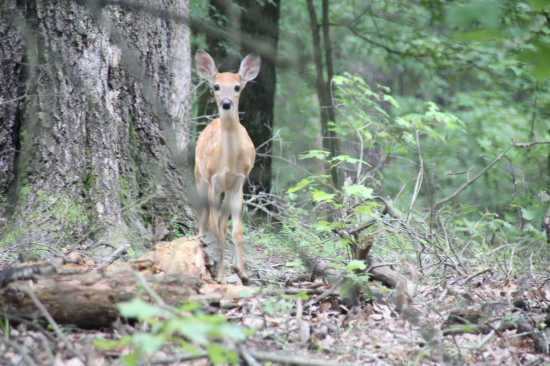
378, 265
176, 359
486, 339
327, 293
117, 253
248, 357
150, 291
50, 320
471, 277
22, 350
293, 360
456, 256
47, 347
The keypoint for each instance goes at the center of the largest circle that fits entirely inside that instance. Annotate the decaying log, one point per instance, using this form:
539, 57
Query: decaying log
87, 298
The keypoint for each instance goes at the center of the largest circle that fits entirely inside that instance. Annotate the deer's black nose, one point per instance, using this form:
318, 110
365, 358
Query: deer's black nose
226, 103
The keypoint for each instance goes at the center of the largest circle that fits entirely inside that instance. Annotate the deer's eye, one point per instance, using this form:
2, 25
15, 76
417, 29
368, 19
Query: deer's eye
237, 88
217, 87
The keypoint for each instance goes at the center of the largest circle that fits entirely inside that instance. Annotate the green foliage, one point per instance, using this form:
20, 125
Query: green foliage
194, 331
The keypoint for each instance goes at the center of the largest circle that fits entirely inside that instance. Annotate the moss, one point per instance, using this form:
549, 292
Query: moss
124, 191
89, 182
64, 209
12, 235
49, 213
24, 193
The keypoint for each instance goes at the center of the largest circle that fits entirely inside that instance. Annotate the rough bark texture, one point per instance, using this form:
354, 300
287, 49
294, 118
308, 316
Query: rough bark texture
11, 74
86, 150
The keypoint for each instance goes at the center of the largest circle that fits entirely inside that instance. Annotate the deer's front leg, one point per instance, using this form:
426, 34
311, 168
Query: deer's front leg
217, 221
204, 207
236, 203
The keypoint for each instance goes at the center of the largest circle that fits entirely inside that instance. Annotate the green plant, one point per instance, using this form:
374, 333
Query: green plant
195, 332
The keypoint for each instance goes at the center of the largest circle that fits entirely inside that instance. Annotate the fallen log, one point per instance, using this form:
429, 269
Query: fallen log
75, 293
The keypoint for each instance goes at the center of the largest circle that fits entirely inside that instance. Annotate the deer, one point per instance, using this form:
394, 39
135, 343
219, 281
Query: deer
224, 156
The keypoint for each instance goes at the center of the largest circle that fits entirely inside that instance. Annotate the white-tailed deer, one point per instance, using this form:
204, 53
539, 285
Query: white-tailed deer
224, 156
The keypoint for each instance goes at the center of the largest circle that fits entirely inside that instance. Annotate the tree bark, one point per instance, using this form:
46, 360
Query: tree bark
11, 96
322, 85
88, 147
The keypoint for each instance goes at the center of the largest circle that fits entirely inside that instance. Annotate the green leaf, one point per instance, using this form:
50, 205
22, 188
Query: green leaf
315, 154
345, 158
108, 344
148, 343
539, 5
356, 265
190, 306
480, 35
321, 196
233, 332
358, 190
528, 214
131, 359
538, 60
323, 226
301, 184
484, 12
195, 331
139, 309
220, 355
363, 209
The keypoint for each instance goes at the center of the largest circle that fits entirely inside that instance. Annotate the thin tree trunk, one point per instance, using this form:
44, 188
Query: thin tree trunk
323, 92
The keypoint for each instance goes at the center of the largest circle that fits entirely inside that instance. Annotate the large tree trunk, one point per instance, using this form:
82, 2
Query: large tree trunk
94, 101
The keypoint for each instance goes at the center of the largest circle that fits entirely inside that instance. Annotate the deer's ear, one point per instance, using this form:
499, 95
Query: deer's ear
250, 67
206, 67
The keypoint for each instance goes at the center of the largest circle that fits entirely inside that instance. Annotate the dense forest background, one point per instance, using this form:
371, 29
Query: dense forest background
415, 131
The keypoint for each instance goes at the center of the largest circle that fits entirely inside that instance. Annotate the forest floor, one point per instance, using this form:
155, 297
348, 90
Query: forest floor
475, 318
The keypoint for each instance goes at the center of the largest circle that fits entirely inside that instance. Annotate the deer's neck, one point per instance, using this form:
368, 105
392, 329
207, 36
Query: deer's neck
230, 121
